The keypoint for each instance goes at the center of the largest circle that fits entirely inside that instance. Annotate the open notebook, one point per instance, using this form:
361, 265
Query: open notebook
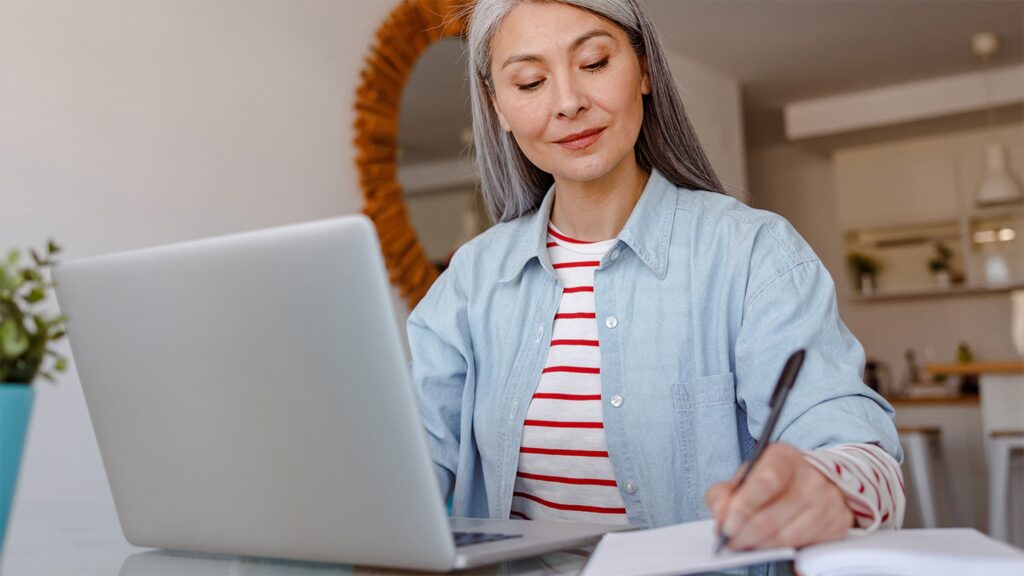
688, 549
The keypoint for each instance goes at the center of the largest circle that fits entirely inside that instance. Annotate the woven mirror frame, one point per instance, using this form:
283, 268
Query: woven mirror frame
411, 28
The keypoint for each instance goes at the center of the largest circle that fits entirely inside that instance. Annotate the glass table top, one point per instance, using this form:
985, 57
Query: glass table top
78, 539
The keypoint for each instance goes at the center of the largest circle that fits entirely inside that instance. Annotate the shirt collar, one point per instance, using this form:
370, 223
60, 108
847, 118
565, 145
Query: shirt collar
647, 231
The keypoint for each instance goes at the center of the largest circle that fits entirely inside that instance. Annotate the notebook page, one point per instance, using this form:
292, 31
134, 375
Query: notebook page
959, 551
679, 549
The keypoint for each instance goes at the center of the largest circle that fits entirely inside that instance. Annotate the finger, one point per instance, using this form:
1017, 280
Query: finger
729, 485
767, 481
717, 498
762, 528
720, 509
715, 492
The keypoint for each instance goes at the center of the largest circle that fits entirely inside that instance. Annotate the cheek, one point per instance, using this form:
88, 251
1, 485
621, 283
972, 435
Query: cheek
526, 119
623, 98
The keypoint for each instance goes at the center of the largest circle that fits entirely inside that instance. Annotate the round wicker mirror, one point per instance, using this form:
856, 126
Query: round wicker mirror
411, 28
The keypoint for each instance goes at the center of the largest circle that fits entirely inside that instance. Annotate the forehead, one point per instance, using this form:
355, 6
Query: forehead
545, 27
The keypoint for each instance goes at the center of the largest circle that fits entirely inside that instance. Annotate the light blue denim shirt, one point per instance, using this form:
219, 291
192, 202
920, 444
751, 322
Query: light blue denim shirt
699, 303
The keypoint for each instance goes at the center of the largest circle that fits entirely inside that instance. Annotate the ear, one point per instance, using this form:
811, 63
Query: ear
645, 77
501, 117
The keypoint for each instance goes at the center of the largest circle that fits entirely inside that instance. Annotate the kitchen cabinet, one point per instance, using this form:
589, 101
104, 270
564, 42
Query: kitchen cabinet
919, 180
897, 201
896, 184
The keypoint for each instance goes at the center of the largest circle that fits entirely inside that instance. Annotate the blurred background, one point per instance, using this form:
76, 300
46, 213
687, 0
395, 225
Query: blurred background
890, 133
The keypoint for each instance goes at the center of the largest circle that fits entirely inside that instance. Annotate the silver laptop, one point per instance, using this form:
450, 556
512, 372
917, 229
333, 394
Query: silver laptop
250, 396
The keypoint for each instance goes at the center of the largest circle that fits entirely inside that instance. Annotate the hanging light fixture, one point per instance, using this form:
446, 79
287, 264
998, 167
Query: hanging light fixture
997, 185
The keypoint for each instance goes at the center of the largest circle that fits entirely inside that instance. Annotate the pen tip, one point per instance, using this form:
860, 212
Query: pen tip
720, 543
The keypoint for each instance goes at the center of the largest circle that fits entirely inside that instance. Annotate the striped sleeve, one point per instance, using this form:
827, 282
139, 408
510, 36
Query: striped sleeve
871, 481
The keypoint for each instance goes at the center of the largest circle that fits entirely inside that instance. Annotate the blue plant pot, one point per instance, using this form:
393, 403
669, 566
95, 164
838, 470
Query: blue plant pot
15, 409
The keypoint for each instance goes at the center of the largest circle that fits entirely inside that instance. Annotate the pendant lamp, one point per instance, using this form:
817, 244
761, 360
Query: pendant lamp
997, 185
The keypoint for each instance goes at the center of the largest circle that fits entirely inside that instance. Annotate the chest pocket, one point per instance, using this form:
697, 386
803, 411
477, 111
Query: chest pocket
707, 410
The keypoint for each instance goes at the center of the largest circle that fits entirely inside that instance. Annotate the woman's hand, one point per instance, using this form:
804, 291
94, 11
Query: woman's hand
784, 502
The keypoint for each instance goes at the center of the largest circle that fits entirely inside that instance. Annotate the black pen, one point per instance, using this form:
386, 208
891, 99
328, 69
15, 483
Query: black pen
778, 400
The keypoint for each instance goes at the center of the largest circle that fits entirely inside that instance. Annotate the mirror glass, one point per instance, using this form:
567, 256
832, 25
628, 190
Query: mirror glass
435, 157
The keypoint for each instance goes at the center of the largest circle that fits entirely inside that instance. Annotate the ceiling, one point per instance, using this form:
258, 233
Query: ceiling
780, 51
788, 50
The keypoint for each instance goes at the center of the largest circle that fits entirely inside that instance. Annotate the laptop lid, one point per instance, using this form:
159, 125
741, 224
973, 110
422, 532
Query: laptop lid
250, 396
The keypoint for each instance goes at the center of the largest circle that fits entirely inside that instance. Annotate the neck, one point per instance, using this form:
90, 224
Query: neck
596, 210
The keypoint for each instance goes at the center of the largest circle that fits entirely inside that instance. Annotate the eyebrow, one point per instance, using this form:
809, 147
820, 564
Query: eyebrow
572, 47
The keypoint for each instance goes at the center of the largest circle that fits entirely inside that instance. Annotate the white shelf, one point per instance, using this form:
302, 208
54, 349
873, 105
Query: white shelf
936, 292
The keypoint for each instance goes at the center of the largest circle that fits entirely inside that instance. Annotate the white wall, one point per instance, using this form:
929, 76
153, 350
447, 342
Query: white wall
713, 102
129, 124
796, 182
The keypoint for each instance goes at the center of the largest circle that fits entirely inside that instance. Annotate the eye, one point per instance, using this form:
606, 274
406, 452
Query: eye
596, 65
531, 86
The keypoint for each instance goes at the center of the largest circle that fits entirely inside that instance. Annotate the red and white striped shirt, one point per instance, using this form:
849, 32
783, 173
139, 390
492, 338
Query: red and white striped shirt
564, 470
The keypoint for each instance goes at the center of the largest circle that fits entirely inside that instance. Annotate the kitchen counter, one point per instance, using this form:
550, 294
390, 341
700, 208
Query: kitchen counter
1007, 367
958, 418
958, 400
966, 423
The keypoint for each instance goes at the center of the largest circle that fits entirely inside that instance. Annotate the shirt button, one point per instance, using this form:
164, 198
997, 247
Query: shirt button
630, 487
611, 322
614, 254
616, 401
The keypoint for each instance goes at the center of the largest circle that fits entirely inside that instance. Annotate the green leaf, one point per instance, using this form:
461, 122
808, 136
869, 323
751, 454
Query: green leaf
15, 281
35, 295
52, 247
61, 364
57, 336
30, 275
13, 341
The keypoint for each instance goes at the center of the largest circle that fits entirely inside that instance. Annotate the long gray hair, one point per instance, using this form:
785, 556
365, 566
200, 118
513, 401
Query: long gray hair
511, 184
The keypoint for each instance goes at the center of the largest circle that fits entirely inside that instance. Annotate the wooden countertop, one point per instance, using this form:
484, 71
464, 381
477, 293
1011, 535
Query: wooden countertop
1011, 367
958, 400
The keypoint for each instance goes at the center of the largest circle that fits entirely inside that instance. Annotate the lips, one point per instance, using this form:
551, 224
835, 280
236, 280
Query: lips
578, 135
581, 140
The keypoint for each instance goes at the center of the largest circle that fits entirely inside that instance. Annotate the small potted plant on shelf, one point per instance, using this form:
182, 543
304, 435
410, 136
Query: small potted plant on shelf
26, 335
941, 265
865, 271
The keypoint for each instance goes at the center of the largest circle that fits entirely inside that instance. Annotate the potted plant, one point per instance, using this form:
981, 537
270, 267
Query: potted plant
865, 271
941, 265
26, 333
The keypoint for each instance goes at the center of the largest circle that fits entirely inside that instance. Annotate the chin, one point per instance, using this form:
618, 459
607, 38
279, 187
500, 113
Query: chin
581, 169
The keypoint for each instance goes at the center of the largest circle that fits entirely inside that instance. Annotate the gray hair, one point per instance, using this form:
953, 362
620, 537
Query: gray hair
510, 183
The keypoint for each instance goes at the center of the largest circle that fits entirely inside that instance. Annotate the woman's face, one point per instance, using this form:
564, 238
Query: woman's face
560, 72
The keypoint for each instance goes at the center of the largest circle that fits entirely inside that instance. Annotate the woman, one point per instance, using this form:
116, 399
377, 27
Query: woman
606, 352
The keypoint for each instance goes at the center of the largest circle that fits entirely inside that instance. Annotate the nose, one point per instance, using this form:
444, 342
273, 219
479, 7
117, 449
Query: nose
571, 100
